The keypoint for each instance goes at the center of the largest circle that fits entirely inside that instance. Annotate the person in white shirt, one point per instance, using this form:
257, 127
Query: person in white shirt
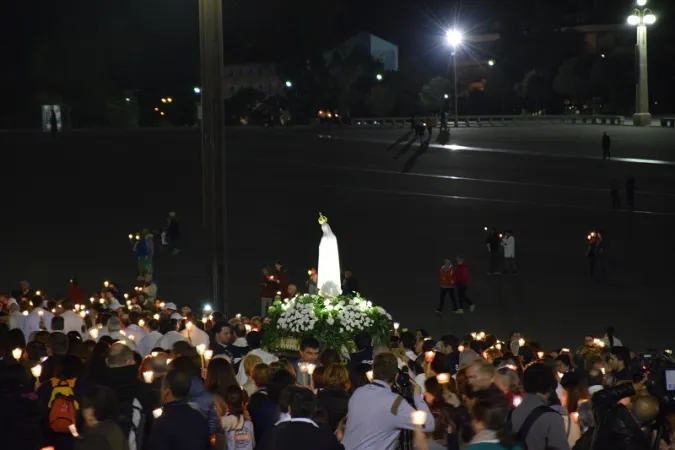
38, 319
144, 348
71, 320
254, 340
171, 336
115, 332
610, 340
149, 291
134, 329
15, 317
509, 244
194, 335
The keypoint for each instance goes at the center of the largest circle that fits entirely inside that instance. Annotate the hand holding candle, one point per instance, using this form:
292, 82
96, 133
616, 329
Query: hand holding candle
418, 417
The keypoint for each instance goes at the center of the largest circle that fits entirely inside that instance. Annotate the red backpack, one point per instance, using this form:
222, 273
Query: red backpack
62, 405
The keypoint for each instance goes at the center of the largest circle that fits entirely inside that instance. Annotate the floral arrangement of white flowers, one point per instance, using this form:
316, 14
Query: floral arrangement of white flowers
334, 321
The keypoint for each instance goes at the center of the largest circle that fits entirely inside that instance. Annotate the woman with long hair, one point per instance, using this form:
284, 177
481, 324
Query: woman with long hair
334, 397
489, 419
219, 377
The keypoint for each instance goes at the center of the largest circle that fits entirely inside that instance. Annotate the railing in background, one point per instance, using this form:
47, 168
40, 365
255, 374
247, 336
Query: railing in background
468, 121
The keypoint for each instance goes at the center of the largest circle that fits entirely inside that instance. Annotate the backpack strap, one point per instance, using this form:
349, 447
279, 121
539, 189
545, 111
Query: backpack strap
396, 404
534, 415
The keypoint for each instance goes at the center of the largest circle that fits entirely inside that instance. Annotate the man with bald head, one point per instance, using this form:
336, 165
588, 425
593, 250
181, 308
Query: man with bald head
133, 395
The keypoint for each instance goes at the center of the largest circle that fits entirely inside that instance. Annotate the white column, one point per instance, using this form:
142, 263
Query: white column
642, 117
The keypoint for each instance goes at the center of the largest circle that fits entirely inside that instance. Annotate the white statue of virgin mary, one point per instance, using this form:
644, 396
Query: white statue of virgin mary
329, 261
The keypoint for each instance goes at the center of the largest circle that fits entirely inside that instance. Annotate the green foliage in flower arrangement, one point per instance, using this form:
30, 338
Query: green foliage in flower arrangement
334, 321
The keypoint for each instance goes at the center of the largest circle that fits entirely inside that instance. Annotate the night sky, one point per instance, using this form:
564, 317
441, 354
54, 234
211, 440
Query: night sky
153, 45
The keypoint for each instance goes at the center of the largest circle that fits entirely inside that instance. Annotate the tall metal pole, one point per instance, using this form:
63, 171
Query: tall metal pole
213, 145
642, 117
454, 82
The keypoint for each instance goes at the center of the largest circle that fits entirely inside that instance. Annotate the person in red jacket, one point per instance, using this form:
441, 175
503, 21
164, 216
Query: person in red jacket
75, 293
446, 277
462, 284
282, 278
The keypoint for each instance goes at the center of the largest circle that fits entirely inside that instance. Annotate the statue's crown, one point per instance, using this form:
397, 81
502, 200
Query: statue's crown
322, 219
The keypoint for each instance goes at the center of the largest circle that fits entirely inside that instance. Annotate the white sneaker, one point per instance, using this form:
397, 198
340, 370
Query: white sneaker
472, 308
459, 311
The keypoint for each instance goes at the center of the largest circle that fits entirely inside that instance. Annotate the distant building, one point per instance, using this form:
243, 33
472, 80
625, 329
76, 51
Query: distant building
259, 76
378, 48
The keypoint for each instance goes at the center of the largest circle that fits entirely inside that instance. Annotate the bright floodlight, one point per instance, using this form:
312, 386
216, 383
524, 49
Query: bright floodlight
633, 20
649, 19
379, 77
454, 37
491, 62
289, 84
641, 2
446, 96
197, 90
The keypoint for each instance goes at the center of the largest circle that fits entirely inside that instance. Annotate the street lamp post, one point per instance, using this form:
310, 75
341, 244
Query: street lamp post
640, 18
454, 38
213, 145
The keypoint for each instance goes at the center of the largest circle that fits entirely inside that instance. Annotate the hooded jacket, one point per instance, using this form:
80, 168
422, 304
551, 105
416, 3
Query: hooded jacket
616, 428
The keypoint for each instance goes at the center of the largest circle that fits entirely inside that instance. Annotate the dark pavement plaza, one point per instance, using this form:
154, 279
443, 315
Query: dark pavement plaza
397, 210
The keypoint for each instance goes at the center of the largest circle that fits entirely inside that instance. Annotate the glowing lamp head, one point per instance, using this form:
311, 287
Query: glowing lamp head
641, 2
633, 20
454, 37
197, 90
207, 307
649, 19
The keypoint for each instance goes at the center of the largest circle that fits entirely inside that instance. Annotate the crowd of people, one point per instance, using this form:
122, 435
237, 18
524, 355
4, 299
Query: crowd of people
101, 373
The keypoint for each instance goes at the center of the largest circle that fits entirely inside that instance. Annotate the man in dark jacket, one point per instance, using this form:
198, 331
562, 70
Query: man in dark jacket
606, 143
122, 377
180, 426
301, 432
364, 345
616, 427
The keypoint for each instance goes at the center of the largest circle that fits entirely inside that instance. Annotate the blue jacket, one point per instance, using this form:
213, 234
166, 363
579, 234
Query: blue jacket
202, 401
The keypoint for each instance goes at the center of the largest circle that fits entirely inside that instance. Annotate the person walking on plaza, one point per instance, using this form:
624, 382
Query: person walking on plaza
509, 245
462, 285
614, 188
493, 243
446, 276
630, 191
145, 250
606, 144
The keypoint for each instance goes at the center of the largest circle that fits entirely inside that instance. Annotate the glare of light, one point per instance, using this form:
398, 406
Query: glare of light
379, 77
633, 20
517, 400
163, 100
454, 37
521, 342
369, 375
207, 307
156, 109
169, 99
491, 62
289, 84
446, 96
649, 19
162, 113
197, 90
208, 354
641, 2
128, 100
603, 56
396, 325
148, 376
157, 412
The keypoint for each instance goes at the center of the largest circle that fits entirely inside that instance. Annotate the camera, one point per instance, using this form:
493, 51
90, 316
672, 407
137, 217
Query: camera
660, 371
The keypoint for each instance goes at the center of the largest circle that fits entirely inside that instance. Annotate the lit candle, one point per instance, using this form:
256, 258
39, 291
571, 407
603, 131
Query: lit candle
248, 328
369, 374
92, 299
154, 354
36, 371
126, 295
131, 236
238, 316
93, 332
188, 326
310, 368
101, 300
498, 346
128, 303
564, 350
443, 378
25, 313
156, 413
155, 316
210, 316
517, 400
131, 336
208, 354
73, 430
201, 348
540, 355
53, 310
309, 272
602, 369
38, 293
575, 417
429, 356
396, 325
41, 313
418, 417
460, 348
560, 375
16, 353
168, 361
148, 376
141, 323
204, 320
521, 342
511, 366
162, 305
303, 367
106, 284
83, 314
